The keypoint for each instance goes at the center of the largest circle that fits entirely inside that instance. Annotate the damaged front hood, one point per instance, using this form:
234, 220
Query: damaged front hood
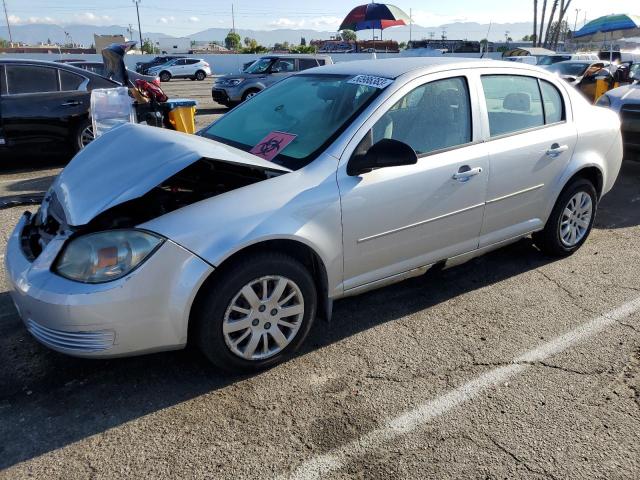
129, 161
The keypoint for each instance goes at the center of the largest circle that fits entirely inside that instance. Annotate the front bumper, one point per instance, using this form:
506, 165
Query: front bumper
231, 94
145, 311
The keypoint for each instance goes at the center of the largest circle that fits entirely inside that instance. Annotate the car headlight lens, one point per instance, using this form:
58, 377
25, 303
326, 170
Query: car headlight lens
231, 82
604, 101
105, 256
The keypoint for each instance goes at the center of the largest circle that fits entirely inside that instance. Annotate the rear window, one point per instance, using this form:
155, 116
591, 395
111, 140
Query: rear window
306, 63
70, 81
31, 79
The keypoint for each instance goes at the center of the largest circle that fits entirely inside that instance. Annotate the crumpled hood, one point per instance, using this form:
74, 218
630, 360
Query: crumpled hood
130, 160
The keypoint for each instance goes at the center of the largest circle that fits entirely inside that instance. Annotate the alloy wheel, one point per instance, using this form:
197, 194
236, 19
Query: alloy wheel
86, 136
263, 317
575, 219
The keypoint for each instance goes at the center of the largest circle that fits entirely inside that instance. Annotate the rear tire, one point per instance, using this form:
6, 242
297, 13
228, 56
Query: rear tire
241, 334
82, 135
571, 220
165, 76
200, 75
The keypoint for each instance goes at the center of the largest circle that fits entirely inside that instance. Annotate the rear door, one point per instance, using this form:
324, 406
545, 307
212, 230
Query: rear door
531, 139
41, 104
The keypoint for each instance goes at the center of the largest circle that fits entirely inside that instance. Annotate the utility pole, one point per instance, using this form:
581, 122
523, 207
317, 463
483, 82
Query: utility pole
6, 15
137, 2
233, 20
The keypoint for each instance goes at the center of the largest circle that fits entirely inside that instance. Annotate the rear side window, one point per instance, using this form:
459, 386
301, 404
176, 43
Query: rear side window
31, 79
513, 103
192, 61
306, 63
70, 81
553, 104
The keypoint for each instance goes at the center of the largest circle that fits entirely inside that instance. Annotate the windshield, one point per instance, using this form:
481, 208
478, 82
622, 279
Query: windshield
260, 66
569, 68
551, 59
311, 109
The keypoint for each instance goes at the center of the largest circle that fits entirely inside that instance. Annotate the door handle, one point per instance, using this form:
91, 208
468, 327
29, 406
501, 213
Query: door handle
71, 103
556, 150
465, 172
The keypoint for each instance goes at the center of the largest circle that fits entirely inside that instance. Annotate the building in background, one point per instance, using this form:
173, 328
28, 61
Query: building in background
103, 41
170, 45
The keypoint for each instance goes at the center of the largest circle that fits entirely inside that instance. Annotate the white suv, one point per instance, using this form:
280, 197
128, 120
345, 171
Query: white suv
193, 68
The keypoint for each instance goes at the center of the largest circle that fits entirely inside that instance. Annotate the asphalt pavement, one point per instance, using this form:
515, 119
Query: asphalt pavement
513, 365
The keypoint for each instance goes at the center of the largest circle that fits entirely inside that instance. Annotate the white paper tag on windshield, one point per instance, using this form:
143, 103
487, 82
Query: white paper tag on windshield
371, 81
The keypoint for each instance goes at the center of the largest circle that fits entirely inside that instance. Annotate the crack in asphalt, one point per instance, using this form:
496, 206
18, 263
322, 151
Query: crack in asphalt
519, 460
570, 294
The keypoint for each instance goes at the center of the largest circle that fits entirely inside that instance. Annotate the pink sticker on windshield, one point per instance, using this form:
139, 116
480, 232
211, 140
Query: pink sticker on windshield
272, 145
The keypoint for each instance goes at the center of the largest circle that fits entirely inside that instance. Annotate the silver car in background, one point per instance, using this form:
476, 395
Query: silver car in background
229, 90
330, 183
626, 102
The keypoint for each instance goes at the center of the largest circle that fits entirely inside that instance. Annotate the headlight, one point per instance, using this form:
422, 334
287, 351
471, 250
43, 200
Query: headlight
105, 256
231, 82
604, 101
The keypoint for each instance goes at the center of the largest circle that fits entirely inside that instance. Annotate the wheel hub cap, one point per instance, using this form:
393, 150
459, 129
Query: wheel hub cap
263, 317
575, 219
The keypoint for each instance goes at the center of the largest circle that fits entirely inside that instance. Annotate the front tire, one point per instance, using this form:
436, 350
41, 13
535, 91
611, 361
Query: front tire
571, 220
256, 313
165, 76
250, 94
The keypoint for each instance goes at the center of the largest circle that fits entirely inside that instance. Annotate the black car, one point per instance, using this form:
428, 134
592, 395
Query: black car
100, 69
142, 67
44, 106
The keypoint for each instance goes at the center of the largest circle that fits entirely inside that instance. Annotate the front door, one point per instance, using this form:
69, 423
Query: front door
530, 144
399, 218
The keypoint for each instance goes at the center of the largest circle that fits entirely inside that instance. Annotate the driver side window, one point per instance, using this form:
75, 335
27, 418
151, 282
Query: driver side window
434, 116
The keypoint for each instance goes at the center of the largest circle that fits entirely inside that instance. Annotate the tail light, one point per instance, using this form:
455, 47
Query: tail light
206, 64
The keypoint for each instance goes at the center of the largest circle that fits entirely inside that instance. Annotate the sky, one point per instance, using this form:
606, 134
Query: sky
183, 17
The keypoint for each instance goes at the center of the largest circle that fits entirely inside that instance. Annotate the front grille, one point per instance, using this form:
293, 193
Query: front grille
81, 342
219, 96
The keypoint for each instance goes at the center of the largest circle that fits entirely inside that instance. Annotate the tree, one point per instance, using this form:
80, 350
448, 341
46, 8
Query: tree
232, 41
534, 35
402, 45
252, 46
303, 49
542, 15
556, 31
348, 35
553, 14
4, 43
281, 46
148, 47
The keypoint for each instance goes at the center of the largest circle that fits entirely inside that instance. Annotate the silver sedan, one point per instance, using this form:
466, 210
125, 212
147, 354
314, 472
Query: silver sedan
332, 182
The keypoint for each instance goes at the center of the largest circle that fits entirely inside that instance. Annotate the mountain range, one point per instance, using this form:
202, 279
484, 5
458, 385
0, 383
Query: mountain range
83, 34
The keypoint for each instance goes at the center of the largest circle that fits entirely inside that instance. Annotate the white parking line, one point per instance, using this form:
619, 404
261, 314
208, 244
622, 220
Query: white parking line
318, 467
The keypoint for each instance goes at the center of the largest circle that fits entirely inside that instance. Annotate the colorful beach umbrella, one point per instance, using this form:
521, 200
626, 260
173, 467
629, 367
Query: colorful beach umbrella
374, 16
609, 23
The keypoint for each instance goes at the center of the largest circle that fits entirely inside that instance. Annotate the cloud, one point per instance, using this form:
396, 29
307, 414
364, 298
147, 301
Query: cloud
15, 20
286, 23
194, 19
331, 23
167, 20
90, 18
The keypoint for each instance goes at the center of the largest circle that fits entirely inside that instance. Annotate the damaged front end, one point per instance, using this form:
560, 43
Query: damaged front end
110, 186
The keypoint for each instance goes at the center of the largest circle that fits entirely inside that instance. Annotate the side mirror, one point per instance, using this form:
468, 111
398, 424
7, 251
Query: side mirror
385, 153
